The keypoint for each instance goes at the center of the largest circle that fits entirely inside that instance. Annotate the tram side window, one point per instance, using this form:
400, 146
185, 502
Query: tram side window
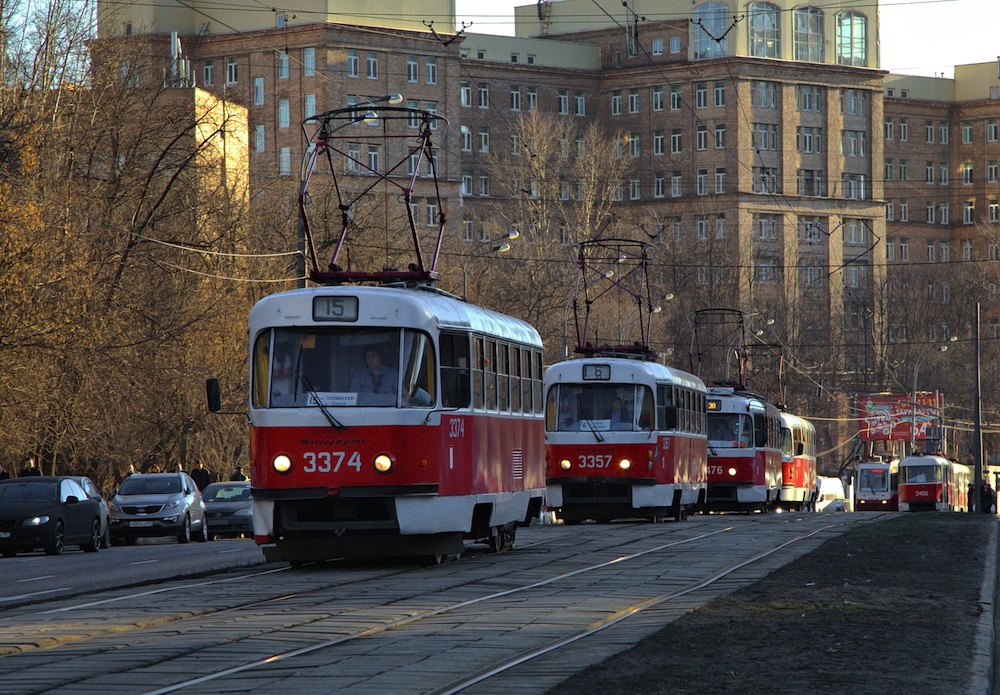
455, 380
536, 380
666, 410
491, 374
526, 381
645, 408
503, 372
515, 379
478, 373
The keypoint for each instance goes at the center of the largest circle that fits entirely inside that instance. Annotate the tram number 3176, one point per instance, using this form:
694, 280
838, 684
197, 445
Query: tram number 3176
330, 461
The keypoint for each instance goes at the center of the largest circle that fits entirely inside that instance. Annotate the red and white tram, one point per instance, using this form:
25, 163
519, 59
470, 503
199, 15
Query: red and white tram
625, 438
876, 486
744, 451
798, 463
443, 442
929, 483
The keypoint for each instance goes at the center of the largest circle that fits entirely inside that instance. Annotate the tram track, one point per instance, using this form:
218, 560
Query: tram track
323, 610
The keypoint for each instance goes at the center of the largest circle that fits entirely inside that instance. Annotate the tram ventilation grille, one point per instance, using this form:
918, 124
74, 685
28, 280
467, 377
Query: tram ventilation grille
516, 459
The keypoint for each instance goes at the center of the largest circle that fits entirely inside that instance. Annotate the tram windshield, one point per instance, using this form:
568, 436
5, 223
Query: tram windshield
873, 479
343, 367
599, 407
730, 430
920, 474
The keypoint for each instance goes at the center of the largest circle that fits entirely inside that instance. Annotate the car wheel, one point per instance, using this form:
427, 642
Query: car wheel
202, 535
106, 539
184, 535
95, 538
55, 547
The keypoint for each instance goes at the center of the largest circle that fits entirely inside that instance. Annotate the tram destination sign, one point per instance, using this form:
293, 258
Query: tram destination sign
327, 308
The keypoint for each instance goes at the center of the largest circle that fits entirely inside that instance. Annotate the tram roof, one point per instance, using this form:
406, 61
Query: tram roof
656, 370
412, 308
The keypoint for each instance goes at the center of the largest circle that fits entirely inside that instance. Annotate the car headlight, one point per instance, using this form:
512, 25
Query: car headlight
244, 512
281, 463
173, 504
115, 507
36, 521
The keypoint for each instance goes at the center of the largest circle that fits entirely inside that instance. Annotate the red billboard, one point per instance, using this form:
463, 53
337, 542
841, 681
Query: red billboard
890, 417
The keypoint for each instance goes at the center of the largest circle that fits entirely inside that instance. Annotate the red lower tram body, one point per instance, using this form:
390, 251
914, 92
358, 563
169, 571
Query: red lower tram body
745, 480
467, 477
663, 477
798, 484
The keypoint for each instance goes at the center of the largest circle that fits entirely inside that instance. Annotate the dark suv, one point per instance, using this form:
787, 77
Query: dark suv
158, 504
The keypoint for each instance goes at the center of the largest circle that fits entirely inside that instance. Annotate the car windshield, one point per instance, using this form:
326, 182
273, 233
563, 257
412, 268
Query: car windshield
143, 485
226, 493
27, 492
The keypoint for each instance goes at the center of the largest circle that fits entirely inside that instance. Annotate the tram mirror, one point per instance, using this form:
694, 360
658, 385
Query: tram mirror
214, 394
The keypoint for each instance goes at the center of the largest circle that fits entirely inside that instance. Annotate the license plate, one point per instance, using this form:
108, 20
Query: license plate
4, 534
140, 524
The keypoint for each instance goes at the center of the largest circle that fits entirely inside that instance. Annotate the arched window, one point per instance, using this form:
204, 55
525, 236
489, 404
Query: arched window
808, 34
765, 31
709, 24
852, 39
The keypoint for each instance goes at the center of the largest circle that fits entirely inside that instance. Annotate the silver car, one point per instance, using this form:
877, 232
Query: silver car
158, 504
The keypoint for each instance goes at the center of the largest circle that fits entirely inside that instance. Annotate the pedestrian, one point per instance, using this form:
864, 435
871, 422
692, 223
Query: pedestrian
238, 474
29, 467
131, 470
202, 476
3, 473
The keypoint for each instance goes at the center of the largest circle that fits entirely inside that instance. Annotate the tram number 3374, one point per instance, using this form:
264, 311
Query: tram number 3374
330, 461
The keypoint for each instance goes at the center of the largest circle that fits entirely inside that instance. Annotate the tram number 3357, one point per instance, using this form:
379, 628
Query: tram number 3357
330, 461
595, 461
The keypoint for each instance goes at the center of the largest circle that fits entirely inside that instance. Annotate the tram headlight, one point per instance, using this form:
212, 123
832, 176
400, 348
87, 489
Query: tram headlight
383, 463
281, 463
732, 472
565, 464
624, 464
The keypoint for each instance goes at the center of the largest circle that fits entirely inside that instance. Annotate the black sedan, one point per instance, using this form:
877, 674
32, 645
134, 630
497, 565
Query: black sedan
48, 512
228, 509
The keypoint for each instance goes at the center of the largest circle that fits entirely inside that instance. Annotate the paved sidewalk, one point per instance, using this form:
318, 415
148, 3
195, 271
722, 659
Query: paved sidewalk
984, 666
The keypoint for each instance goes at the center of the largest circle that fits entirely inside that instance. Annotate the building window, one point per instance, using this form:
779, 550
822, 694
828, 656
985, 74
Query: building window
720, 180
968, 212
633, 101
563, 100
616, 103
701, 182
701, 95
309, 106
353, 64
258, 138
720, 93
701, 138
808, 26
675, 141
515, 98
308, 62
903, 130
991, 130
675, 98
966, 133
258, 91
720, 136
675, 44
412, 69
967, 173
232, 72
282, 65
656, 46
658, 142
208, 73
371, 61
532, 98
484, 95
284, 116
465, 91
580, 104
657, 98
658, 184
675, 184
765, 30
484, 139
852, 39
708, 21
431, 70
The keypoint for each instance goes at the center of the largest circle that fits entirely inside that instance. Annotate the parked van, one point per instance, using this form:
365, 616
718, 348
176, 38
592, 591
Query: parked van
831, 495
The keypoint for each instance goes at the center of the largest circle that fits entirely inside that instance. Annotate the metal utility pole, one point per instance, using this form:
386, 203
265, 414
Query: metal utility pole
977, 409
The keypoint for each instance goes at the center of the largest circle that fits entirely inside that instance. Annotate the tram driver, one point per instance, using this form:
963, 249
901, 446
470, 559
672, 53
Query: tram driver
375, 378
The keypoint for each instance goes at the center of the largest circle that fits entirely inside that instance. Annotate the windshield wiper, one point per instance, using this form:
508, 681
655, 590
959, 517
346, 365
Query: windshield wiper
326, 413
592, 427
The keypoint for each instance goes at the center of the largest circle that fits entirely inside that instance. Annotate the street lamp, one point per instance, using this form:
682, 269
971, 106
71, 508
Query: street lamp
499, 245
913, 393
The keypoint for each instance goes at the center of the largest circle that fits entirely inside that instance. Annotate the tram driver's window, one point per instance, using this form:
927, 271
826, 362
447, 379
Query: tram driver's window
419, 376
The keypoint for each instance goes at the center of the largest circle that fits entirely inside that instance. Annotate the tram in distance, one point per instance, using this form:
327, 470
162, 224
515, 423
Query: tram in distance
391, 421
798, 463
744, 451
933, 483
876, 486
625, 438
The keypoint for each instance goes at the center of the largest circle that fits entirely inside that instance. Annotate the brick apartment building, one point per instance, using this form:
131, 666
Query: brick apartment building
769, 150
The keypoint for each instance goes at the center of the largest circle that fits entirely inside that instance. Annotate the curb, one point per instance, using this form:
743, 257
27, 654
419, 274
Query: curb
981, 682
